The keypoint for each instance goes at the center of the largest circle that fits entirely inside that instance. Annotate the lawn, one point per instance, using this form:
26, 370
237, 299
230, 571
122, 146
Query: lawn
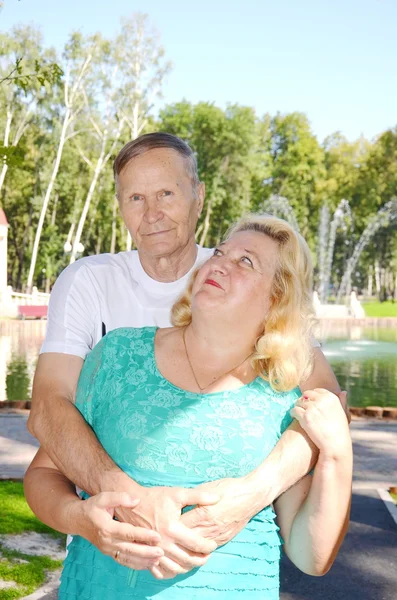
25, 570
380, 309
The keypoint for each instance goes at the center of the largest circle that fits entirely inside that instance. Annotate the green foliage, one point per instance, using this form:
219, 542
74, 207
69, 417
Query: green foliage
43, 73
16, 516
17, 379
243, 158
28, 572
380, 309
27, 575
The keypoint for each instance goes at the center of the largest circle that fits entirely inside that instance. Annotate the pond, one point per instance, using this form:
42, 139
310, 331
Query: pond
363, 357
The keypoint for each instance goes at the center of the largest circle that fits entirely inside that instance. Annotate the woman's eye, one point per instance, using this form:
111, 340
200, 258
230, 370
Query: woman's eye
217, 252
247, 261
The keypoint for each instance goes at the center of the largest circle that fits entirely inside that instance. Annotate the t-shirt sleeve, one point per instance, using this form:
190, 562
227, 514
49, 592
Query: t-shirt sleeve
73, 313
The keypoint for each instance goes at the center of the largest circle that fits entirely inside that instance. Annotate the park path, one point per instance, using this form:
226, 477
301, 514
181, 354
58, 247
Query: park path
366, 567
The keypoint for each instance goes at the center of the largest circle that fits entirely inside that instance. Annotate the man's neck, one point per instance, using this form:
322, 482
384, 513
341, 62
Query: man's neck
172, 267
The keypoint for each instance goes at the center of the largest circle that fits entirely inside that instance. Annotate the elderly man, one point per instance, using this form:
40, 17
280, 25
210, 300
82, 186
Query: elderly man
160, 198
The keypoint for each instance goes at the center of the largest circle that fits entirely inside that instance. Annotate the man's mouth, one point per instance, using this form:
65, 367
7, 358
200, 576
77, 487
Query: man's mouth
157, 232
214, 283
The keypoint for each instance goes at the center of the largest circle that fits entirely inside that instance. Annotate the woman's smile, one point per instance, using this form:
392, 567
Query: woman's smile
214, 283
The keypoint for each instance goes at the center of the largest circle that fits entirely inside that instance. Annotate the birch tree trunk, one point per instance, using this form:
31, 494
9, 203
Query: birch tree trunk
83, 216
46, 200
5, 142
207, 221
70, 100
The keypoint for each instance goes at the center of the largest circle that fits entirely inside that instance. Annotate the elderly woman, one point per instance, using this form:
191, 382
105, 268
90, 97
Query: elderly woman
205, 400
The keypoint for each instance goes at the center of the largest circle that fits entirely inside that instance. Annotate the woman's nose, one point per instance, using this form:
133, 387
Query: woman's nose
221, 265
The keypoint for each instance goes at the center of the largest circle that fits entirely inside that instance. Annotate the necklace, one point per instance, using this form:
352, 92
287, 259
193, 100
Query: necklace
216, 378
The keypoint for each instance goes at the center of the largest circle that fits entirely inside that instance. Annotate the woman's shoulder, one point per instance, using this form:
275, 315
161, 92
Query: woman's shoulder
277, 398
116, 341
131, 334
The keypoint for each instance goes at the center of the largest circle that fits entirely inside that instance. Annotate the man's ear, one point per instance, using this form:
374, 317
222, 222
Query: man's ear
200, 197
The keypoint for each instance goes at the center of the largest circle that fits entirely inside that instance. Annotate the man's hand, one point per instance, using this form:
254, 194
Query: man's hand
160, 509
135, 547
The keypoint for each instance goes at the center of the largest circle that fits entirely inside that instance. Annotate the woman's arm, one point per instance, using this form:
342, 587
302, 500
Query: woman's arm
313, 515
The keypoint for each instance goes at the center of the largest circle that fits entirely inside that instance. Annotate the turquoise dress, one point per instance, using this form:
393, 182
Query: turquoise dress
162, 435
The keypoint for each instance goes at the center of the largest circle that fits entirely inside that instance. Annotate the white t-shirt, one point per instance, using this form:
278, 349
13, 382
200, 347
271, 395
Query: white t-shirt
99, 293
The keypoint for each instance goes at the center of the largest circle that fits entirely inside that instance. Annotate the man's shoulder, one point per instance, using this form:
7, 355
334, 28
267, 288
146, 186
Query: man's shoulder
204, 253
99, 263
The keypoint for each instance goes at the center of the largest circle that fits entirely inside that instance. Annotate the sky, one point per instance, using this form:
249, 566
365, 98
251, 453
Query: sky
335, 60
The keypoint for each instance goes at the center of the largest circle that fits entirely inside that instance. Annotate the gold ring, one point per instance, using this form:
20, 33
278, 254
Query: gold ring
116, 556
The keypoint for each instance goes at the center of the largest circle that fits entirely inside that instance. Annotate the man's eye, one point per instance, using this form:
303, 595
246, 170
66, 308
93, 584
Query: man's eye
136, 197
166, 193
247, 261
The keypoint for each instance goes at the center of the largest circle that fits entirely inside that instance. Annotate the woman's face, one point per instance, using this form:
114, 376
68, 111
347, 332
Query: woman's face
238, 278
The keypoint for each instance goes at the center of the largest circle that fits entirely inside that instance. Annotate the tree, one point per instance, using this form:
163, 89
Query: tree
225, 143
21, 93
298, 170
127, 77
79, 54
143, 65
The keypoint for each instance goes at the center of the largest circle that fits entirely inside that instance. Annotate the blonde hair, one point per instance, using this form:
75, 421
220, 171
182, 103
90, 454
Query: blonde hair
283, 353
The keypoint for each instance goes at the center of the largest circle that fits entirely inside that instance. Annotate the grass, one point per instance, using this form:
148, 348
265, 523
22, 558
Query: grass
394, 496
28, 572
380, 309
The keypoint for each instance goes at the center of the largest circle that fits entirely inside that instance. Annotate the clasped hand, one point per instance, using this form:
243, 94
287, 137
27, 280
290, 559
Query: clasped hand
155, 535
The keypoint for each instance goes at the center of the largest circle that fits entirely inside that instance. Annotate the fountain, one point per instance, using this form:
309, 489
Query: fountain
342, 217
280, 207
386, 215
326, 242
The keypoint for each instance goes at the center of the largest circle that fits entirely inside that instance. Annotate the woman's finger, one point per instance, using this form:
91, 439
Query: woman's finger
190, 540
115, 499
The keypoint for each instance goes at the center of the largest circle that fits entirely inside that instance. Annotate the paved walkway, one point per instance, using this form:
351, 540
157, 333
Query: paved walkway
366, 567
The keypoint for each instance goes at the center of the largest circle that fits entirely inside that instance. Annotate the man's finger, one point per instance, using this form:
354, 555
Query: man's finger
129, 533
132, 550
297, 413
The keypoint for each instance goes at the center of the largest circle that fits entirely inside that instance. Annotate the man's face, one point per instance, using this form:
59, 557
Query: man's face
157, 202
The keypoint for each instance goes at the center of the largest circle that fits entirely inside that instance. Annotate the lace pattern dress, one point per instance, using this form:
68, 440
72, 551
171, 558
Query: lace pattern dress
161, 435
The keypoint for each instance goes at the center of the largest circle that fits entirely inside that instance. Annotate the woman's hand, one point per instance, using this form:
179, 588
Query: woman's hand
134, 547
320, 414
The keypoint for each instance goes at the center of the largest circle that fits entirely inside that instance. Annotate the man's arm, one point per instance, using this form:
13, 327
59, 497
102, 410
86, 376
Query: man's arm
74, 449
62, 431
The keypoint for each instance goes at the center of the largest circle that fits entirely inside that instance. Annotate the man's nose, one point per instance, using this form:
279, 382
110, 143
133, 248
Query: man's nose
152, 212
